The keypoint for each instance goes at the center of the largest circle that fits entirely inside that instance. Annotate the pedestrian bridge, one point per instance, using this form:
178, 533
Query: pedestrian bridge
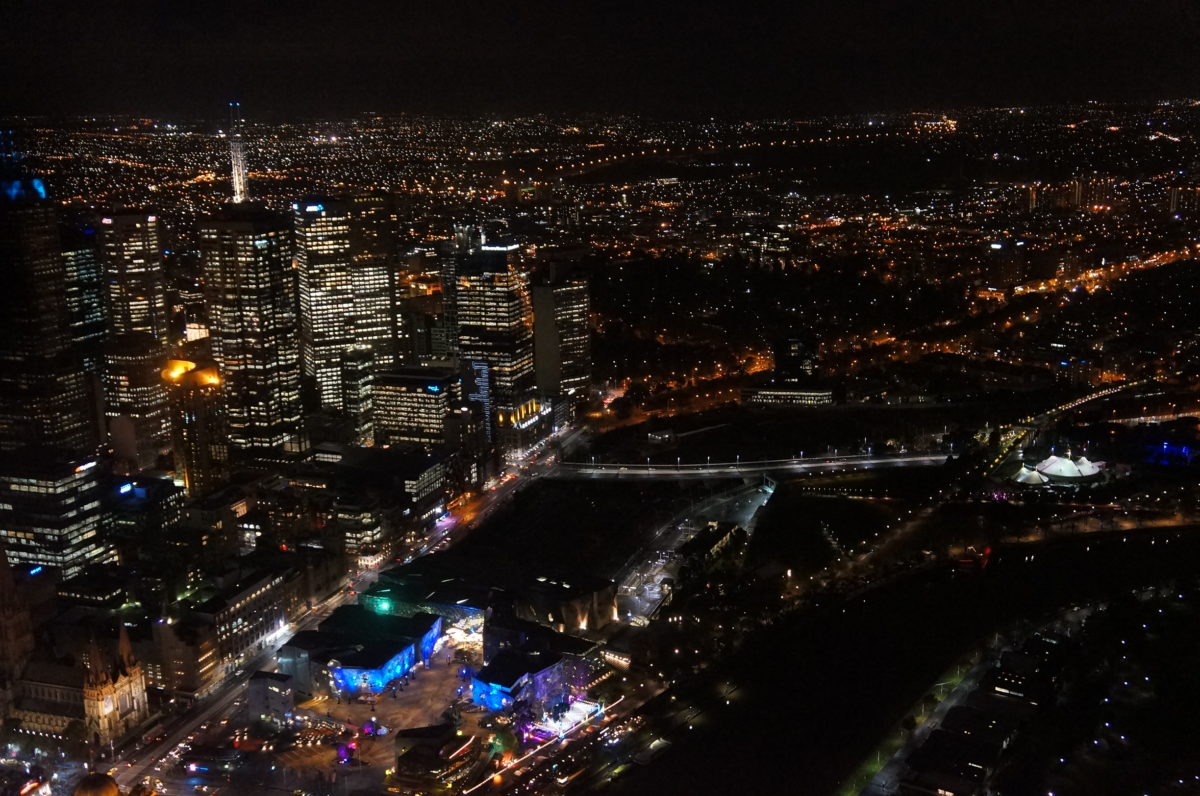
739, 468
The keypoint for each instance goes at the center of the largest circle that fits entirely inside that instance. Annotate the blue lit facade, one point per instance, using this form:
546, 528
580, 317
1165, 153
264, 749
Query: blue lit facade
428, 642
354, 674
491, 696
353, 679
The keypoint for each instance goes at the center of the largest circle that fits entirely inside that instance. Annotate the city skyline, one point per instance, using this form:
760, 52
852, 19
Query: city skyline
563, 399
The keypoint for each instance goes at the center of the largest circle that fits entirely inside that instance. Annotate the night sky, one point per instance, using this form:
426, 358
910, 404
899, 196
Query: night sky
293, 59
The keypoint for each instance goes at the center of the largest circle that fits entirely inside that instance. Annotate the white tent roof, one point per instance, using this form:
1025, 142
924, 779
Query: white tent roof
1063, 467
1026, 475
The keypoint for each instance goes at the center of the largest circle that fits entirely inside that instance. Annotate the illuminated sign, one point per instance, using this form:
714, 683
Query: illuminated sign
434, 388
36, 570
125, 489
314, 208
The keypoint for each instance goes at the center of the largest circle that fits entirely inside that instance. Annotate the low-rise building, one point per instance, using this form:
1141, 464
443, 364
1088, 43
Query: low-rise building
270, 698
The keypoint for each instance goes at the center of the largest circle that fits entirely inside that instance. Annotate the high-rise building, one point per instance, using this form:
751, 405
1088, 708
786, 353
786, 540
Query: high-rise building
250, 289
413, 404
326, 288
85, 292
43, 394
50, 511
562, 336
377, 277
375, 323
495, 326
132, 255
135, 400
347, 284
358, 393
198, 424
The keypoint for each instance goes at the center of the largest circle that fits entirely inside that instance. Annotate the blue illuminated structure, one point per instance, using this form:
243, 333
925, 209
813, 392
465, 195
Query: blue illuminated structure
393, 647
366, 671
492, 696
513, 675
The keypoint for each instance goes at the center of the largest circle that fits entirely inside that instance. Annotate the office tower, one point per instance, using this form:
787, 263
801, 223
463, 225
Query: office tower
189, 297
50, 511
359, 520
43, 394
358, 388
448, 259
412, 405
141, 518
85, 291
250, 288
135, 400
132, 255
495, 327
375, 327
562, 336
376, 224
467, 239
347, 286
198, 424
424, 326
323, 256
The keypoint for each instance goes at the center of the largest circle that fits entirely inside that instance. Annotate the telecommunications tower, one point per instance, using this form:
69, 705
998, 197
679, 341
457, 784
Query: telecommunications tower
237, 157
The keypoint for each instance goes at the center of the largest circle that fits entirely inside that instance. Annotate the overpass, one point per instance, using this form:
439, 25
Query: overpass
739, 468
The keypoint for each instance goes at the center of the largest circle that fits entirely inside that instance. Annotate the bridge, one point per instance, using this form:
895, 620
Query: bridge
739, 468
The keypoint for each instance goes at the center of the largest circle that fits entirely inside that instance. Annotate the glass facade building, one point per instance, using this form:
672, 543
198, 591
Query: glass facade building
250, 287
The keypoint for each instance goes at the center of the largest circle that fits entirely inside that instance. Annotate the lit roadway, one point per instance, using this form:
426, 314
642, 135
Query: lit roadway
678, 471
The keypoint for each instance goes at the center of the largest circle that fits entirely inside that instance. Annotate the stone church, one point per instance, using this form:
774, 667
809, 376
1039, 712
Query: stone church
98, 697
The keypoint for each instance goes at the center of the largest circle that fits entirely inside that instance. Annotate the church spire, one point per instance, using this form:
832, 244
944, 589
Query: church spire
125, 657
97, 669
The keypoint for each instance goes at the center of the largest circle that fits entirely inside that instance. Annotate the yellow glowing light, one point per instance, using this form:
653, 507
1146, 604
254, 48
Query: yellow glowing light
176, 368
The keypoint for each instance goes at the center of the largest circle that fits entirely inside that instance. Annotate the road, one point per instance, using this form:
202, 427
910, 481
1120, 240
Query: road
221, 703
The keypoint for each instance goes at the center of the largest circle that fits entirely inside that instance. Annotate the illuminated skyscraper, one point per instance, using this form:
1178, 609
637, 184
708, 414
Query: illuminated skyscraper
198, 424
358, 393
495, 327
413, 404
50, 511
562, 336
43, 395
133, 274
85, 292
375, 325
326, 292
250, 291
135, 400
